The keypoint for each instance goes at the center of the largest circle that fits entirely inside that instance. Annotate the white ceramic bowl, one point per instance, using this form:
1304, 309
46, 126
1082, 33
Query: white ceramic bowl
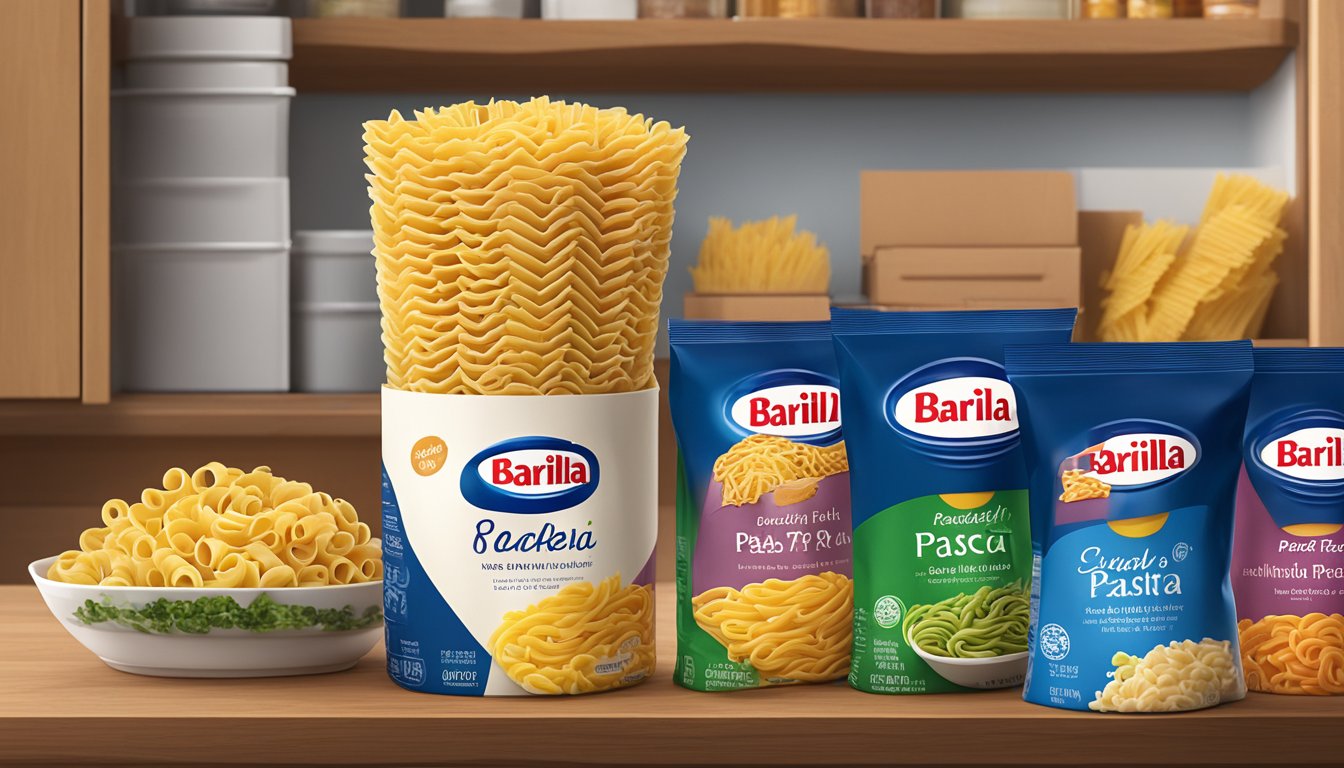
994, 672
218, 652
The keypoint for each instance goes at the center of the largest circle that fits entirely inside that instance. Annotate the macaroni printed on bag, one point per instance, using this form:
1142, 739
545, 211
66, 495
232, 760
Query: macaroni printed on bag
1288, 553
764, 590
1133, 472
942, 550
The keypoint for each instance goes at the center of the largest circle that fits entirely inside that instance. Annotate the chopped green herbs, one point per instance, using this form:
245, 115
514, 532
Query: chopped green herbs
199, 616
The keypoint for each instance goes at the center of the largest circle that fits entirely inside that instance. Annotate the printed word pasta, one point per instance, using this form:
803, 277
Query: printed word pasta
521, 247
223, 527
1213, 285
761, 257
1175, 677
761, 464
585, 638
986, 623
1294, 654
796, 630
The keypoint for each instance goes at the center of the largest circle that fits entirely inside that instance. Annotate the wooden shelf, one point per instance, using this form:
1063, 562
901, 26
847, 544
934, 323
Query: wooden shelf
485, 56
191, 415
60, 705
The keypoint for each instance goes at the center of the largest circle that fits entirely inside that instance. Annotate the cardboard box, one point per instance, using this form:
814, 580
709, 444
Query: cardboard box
975, 278
966, 208
1099, 236
756, 306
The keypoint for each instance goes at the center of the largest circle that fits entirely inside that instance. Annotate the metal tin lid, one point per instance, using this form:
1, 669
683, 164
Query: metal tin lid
228, 38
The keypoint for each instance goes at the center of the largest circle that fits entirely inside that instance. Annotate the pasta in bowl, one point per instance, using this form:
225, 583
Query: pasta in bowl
976, 640
221, 573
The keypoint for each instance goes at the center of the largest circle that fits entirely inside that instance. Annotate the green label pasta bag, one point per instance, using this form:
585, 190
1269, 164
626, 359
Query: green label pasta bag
942, 548
1288, 552
1133, 454
763, 533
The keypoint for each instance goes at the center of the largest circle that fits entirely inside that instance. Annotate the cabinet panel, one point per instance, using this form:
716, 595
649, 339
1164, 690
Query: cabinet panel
40, 199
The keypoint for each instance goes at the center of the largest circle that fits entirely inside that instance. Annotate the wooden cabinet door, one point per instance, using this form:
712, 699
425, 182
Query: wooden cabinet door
40, 198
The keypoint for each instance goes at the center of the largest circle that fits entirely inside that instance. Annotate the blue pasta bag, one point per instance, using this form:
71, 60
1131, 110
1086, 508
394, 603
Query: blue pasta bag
1288, 552
942, 542
764, 590
1133, 451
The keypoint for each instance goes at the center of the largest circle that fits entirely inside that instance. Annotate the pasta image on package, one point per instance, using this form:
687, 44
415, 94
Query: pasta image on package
764, 594
521, 250
1288, 549
942, 549
1133, 461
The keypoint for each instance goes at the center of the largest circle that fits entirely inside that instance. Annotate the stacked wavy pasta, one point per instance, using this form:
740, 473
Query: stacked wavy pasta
797, 630
1179, 676
762, 464
1294, 654
521, 247
223, 527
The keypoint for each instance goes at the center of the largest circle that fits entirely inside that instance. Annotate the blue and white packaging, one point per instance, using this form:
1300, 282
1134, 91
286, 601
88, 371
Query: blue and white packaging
504, 519
1133, 451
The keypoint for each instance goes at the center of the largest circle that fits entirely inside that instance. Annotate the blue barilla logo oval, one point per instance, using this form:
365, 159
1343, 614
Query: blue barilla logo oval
958, 404
798, 404
530, 475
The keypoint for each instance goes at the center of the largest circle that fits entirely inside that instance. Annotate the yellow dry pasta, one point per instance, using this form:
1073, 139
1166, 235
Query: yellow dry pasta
222, 527
1294, 654
1214, 285
586, 637
1078, 486
521, 247
767, 256
1175, 677
760, 464
796, 630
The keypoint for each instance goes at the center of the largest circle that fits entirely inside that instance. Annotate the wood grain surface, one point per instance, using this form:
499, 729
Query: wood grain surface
786, 55
60, 705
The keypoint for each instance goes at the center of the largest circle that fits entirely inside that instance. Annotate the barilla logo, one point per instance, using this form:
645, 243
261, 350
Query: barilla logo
794, 404
959, 408
1141, 458
1311, 454
530, 475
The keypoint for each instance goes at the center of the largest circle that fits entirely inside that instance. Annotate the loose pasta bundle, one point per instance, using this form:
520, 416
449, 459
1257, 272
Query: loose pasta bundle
1176, 677
800, 629
767, 256
1213, 285
586, 637
223, 527
760, 464
521, 247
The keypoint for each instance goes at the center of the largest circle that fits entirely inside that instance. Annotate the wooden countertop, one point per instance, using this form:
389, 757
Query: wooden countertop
59, 705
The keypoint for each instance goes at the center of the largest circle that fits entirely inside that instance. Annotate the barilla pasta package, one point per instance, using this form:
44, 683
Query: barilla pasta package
1133, 455
1288, 552
942, 548
764, 590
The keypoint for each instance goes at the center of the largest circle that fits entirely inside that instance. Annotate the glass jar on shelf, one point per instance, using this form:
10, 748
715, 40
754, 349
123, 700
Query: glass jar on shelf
683, 9
1101, 9
902, 9
1151, 9
1231, 9
799, 9
1007, 9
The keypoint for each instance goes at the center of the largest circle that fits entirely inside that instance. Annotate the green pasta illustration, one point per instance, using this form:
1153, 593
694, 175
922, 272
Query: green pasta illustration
990, 622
